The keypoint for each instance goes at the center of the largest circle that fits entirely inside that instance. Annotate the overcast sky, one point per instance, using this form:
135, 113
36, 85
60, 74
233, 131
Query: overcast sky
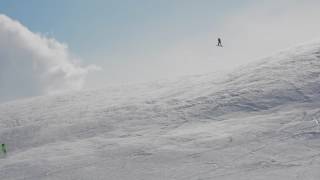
54, 46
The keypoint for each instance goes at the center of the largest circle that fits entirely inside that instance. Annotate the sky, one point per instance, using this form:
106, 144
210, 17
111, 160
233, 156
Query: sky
56, 46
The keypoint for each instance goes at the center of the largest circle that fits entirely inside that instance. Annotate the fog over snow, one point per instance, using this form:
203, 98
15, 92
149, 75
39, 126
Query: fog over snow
142, 47
32, 64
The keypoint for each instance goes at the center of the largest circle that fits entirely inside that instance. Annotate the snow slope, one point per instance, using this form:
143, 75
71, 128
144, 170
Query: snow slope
259, 122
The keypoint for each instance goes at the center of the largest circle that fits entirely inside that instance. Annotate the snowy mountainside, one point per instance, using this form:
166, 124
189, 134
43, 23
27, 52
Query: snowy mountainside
258, 122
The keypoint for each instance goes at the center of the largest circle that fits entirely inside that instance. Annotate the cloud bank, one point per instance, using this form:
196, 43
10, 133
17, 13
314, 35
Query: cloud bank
32, 64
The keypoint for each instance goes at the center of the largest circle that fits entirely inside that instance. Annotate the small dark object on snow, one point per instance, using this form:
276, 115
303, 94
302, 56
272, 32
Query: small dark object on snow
219, 42
3, 148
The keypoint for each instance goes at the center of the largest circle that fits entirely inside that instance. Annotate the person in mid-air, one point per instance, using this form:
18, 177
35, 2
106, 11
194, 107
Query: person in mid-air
219, 42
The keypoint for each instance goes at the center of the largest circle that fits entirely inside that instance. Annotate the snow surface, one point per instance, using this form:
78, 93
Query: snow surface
259, 122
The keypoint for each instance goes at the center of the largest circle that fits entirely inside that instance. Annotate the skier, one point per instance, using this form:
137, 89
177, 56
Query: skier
3, 148
219, 42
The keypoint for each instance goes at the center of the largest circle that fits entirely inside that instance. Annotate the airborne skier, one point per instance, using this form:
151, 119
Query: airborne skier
219, 42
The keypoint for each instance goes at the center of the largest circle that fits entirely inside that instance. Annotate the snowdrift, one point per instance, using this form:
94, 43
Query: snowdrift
258, 122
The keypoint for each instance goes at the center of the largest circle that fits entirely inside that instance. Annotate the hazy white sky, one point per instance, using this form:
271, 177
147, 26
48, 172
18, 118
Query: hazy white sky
137, 41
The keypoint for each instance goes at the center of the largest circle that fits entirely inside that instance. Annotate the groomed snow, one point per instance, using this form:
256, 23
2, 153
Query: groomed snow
260, 122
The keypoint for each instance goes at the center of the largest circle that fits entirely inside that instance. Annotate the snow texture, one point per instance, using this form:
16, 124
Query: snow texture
260, 122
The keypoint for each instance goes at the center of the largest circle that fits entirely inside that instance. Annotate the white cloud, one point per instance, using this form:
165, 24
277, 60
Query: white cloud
32, 64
